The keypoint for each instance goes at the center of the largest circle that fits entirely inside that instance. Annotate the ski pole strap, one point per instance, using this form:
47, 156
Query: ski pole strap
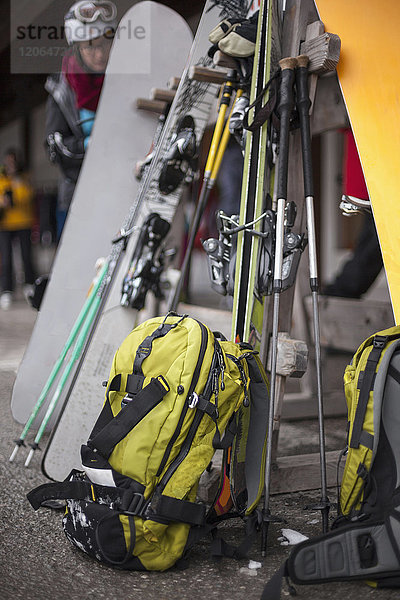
378, 345
119, 426
272, 590
262, 113
220, 547
125, 500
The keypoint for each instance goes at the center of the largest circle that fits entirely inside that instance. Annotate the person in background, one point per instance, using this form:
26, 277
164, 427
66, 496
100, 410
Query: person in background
16, 221
358, 273
74, 93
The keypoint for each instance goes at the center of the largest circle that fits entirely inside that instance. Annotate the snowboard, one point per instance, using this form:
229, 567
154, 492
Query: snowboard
85, 396
369, 76
106, 186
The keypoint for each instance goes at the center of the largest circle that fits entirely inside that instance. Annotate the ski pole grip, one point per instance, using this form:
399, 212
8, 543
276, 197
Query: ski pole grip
287, 63
302, 61
285, 110
303, 106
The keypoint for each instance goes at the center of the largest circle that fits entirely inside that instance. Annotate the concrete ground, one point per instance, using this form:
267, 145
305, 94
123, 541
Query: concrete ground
37, 562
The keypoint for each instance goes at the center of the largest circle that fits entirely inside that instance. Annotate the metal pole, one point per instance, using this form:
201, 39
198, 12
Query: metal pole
285, 109
303, 107
52, 377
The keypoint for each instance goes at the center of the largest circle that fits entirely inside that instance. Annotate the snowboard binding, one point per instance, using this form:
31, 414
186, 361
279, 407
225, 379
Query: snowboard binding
236, 121
221, 254
181, 159
146, 265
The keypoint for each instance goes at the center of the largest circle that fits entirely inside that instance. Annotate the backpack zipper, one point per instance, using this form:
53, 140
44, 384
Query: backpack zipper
237, 361
209, 389
193, 383
217, 366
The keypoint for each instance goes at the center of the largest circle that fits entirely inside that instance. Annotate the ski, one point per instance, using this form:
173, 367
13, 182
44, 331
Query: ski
255, 229
246, 242
194, 98
257, 182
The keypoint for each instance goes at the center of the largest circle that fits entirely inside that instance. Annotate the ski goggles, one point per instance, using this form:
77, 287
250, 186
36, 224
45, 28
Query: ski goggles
88, 12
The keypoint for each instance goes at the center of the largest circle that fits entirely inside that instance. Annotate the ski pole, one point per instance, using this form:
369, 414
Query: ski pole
217, 148
66, 373
57, 366
303, 107
285, 108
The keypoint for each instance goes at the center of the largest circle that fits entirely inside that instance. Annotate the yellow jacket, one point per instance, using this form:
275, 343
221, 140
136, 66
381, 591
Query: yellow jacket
20, 215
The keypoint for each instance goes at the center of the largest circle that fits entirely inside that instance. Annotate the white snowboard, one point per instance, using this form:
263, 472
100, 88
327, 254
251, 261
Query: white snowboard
151, 45
86, 396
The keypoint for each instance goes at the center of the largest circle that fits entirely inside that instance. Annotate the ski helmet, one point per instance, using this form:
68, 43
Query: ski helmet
88, 20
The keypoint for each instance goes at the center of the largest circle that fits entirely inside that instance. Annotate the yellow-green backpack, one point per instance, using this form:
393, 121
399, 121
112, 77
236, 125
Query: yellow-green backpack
371, 391
364, 542
172, 399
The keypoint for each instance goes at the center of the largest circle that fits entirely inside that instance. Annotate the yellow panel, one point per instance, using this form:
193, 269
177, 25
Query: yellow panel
369, 74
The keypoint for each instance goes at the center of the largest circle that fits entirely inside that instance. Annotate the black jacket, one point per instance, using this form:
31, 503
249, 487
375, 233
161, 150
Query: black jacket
64, 136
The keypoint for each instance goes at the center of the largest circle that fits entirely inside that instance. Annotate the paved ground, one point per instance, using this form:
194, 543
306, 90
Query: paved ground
37, 562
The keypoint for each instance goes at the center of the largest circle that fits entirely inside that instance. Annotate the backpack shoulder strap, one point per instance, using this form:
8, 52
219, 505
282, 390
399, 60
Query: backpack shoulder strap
257, 431
378, 345
118, 427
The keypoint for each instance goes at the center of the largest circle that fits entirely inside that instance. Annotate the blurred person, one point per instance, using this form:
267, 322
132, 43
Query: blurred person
16, 221
75, 92
365, 263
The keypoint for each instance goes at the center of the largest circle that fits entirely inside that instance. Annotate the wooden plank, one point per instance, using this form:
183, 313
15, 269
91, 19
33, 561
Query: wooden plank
304, 405
220, 59
300, 473
323, 52
298, 15
163, 95
209, 75
173, 83
150, 105
329, 112
346, 322
313, 30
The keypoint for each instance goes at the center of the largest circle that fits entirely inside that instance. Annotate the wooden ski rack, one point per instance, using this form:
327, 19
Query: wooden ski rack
155, 106
209, 75
301, 472
173, 83
162, 95
160, 98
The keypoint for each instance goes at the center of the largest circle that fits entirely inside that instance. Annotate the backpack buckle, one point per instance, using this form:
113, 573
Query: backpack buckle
380, 341
193, 400
136, 506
